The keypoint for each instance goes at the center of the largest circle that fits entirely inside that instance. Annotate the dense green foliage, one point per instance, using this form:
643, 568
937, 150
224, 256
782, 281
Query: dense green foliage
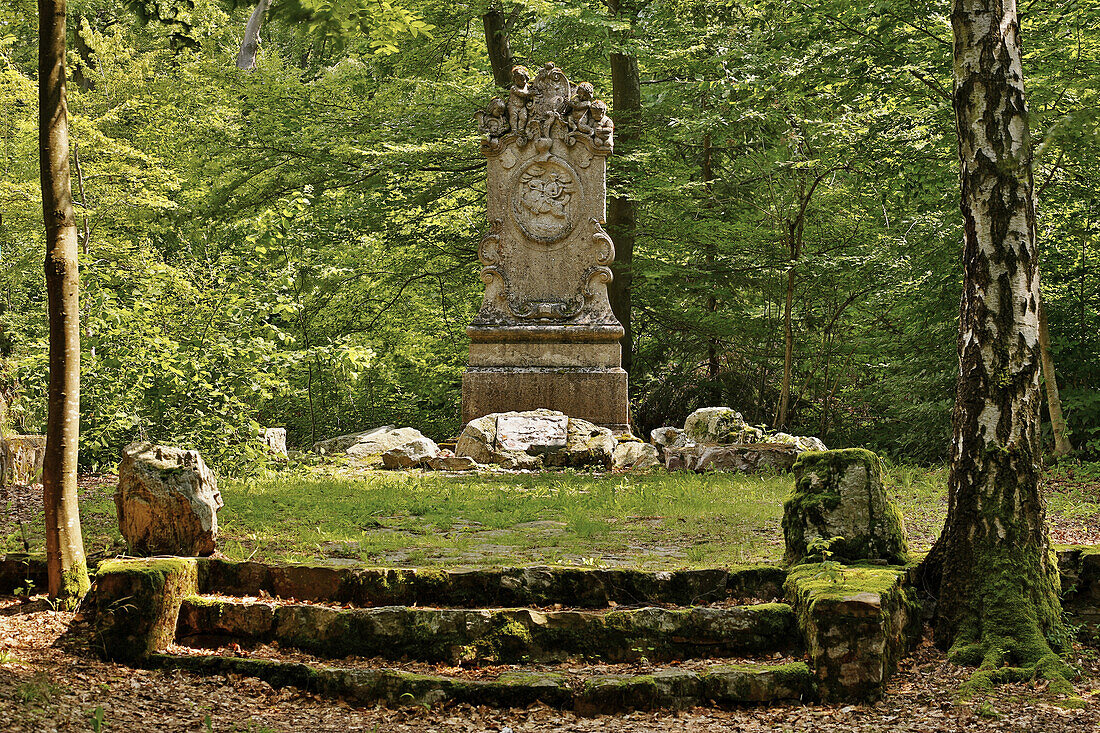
297, 245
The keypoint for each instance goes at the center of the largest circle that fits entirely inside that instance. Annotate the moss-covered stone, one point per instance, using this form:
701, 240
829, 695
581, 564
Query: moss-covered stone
748, 683
495, 635
574, 587
857, 623
838, 498
134, 604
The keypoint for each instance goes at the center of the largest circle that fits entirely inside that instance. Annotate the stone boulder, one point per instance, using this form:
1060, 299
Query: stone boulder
745, 458
662, 438
801, 442
411, 454
839, 494
448, 461
275, 440
720, 426
534, 438
634, 455
167, 501
367, 447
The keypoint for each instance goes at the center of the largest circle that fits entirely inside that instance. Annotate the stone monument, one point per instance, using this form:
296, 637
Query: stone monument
545, 336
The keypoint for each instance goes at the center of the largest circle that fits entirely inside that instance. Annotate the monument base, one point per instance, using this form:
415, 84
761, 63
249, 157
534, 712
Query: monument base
596, 395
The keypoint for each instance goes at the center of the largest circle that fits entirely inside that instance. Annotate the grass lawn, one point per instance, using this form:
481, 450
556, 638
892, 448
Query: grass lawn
655, 520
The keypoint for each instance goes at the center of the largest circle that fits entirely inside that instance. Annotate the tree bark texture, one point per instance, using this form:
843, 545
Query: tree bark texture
1062, 444
500, 50
68, 573
250, 44
621, 215
992, 566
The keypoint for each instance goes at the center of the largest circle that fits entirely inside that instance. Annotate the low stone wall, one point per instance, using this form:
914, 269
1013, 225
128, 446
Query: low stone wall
857, 622
1080, 570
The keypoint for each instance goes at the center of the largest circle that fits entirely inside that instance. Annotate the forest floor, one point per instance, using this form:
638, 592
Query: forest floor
50, 681
649, 520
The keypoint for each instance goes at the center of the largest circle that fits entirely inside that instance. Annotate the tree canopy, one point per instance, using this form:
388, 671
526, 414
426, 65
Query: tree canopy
296, 245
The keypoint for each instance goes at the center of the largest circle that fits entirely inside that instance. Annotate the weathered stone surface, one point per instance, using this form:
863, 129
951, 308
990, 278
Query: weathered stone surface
839, 494
505, 634
1080, 570
134, 604
545, 336
275, 440
662, 438
21, 459
527, 433
634, 455
534, 438
718, 425
411, 454
525, 586
856, 628
451, 462
739, 458
167, 501
367, 447
801, 442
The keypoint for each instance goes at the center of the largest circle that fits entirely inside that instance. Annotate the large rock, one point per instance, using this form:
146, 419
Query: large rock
634, 455
719, 426
368, 446
839, 494
801, 442
536, 438
21, 459
662, 438
743, 458
412, 454
167, 501
275, 440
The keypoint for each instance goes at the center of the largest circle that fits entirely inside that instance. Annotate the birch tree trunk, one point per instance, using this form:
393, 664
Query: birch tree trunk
992, 567
68, 571
250, 44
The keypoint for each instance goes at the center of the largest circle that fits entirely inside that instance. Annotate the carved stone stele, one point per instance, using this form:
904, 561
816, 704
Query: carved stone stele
545, 336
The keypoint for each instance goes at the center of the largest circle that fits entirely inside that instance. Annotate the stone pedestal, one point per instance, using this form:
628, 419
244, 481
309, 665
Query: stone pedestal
545, 336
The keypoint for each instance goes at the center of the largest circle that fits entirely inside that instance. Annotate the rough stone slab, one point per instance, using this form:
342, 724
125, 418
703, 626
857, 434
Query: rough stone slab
504, 635
839, 497
525, 586
599, 695
134, 604
1080, 571
596, 395
732, 458
856, 629
541, 433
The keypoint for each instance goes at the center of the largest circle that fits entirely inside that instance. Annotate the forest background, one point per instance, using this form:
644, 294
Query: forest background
296, 245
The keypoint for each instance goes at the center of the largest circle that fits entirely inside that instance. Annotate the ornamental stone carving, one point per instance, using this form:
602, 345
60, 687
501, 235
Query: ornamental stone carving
545, 327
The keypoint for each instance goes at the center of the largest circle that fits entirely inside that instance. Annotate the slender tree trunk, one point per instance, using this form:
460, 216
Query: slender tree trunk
992, 568
500, 50
1062, 445
711, 254
621, 215
65, 562
250, 44
788, 347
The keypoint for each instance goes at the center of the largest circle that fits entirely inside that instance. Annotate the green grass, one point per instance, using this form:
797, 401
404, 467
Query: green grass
558, 518
648, 520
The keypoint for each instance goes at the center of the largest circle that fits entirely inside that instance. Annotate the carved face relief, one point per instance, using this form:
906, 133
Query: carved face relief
542, 201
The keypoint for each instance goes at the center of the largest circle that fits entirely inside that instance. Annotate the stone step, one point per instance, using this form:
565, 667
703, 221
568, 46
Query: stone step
485, 588
497, 635
725, 685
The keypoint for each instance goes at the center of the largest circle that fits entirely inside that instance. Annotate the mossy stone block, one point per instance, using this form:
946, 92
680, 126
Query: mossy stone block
838, 497
134, 604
